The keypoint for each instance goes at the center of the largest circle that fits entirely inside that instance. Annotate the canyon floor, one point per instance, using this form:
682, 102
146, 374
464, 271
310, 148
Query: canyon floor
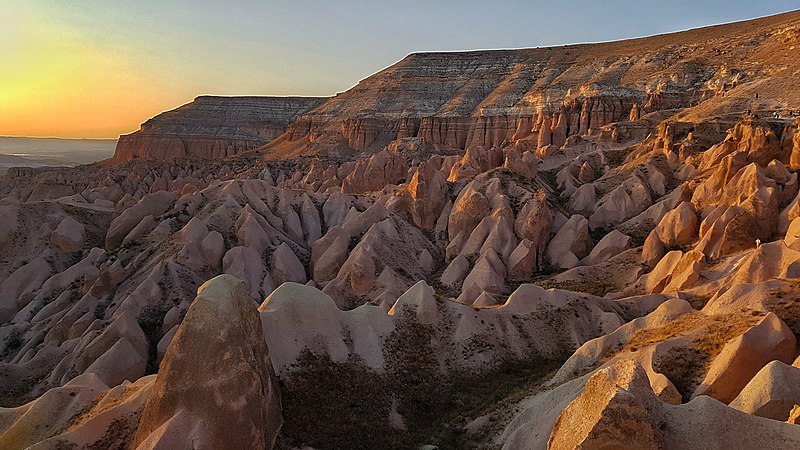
588, 246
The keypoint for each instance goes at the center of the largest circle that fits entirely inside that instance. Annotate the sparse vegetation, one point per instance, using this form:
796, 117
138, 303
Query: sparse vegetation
685, 364
19, 391
638, 233
616, 157
593, 287
151, 319
14, 341
351, 408
348, 410
784, 303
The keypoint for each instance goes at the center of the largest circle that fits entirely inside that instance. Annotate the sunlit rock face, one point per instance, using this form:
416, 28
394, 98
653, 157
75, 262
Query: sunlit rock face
212, 127
224, 396
546, 96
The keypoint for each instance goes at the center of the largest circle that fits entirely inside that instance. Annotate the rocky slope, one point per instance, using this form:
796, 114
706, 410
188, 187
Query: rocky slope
544, 96
212, 127
632, 286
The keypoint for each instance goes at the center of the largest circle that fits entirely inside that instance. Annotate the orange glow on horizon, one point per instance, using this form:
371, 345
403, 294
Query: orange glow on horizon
52, 84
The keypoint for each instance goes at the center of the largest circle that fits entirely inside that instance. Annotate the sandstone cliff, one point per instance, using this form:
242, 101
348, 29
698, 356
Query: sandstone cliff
546, 95
212, 127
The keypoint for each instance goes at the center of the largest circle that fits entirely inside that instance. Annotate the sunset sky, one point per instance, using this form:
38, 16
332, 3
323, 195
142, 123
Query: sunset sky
99, 68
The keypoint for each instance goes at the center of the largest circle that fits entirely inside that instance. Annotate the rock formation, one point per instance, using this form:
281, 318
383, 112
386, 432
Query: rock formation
576, 247
224, 397
212, 127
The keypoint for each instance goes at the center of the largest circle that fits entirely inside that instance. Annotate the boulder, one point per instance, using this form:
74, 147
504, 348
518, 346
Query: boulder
246, 264
792, 238
213, 248
69, 235
535, 223
727, 230
476, 160
120, 363
586, 173
495, 232
311, 224
119, 353
616, 207
488, 275
455, 271
772, 393
329, 253
425, 195
583, 200
359, 223
469, 209
570, 243
679, 226
426, 261
336, 208
24, 280
659, 277
154, 204
522, 262
686, 272
420, 301
743, 356
652, 250
524, 165
359, 268
251, 230
224, 396
612, 244
286, 266
617, 409
485, 300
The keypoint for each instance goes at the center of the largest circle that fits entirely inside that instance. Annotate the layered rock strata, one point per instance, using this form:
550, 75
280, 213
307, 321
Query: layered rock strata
212, 127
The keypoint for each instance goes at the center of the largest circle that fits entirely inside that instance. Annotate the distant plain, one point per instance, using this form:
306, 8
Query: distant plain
41, 152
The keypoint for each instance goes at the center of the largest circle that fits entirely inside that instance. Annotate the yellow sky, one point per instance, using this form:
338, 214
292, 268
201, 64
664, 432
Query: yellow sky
54, 84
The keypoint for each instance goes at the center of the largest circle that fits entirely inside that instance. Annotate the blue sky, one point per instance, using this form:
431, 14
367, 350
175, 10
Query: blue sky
155, 54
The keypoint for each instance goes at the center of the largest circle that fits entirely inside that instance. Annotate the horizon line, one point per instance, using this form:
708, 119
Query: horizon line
58, 137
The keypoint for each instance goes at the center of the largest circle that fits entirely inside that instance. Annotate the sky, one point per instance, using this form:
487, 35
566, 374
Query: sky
97, 69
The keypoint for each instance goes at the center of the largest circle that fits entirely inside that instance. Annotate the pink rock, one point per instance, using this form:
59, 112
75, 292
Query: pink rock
745, 355
425, 195
570, 243
612, 244
679, 226
24, 280
286, 266
184, 403
469, 209
246, 264
329, 253
154, 204
69, 235
455, 271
